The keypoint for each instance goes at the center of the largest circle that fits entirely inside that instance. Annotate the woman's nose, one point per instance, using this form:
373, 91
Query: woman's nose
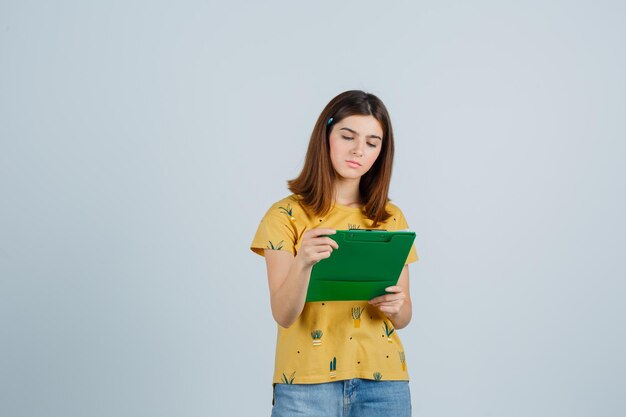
358, 149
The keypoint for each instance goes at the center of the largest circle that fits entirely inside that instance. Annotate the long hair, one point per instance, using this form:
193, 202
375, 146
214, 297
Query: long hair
315, 184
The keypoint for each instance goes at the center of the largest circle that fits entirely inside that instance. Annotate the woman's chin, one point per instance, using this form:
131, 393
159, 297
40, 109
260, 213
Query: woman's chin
351, 176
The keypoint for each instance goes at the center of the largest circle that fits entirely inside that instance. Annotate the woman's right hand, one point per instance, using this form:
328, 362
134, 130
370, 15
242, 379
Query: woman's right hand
315, 246
289, 277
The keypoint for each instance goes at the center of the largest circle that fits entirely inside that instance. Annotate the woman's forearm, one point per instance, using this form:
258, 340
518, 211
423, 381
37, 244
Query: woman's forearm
288, 300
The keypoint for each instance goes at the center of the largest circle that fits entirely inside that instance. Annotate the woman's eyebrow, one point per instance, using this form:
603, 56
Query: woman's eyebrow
368, 136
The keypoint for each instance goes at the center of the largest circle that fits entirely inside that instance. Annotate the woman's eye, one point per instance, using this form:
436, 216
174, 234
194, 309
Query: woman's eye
347, 138
371, 145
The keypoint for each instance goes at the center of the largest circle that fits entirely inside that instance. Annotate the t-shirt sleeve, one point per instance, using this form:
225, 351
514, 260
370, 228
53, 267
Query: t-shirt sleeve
276, 231
402, 224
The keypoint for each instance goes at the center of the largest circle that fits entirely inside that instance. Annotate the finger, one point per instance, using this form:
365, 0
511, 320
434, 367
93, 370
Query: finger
321, 231
314, 252
390, 303
321, 241
390, 310
386, 306
321, 255
378, 300
387, 298
330, 242
394, 291
324, 248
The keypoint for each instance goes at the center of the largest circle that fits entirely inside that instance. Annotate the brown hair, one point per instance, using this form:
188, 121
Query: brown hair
315, 184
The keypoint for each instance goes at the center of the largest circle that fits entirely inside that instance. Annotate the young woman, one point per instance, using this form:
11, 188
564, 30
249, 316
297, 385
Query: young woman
337, 358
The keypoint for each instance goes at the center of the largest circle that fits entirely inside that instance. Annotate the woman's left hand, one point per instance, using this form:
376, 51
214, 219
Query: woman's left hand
392, 303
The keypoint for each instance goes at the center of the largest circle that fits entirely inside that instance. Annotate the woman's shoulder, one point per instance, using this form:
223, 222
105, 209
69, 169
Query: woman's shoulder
291, 199
289, 205
393, 208
395, 211
397, 216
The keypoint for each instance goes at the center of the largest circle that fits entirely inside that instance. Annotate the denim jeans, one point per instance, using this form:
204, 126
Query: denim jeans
349, 398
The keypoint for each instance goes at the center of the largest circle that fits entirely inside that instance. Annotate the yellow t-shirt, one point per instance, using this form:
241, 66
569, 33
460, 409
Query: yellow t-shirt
332, 340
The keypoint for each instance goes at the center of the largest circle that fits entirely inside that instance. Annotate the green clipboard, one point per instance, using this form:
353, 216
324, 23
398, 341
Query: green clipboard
367, 262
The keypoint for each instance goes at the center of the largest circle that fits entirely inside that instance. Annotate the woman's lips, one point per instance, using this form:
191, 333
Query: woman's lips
353, 164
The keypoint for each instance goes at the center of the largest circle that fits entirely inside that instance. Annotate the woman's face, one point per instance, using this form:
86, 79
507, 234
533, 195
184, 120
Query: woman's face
355, 143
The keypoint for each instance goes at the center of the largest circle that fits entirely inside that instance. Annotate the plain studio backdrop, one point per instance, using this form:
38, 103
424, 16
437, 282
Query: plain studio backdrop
142, 141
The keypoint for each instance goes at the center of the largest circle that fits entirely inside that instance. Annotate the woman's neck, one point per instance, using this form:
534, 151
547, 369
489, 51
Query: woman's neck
347, 193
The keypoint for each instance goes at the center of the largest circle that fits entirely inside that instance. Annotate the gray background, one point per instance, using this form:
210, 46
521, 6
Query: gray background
141, 142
